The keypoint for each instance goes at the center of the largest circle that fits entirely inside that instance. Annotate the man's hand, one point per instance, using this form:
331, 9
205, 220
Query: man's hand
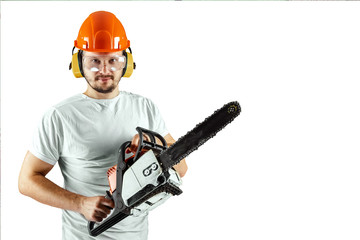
135, 143
95, 209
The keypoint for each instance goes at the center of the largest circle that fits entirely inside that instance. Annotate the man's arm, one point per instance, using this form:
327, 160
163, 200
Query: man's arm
33, 183
181, 167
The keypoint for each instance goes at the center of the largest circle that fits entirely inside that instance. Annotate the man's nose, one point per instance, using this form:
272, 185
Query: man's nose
104, 69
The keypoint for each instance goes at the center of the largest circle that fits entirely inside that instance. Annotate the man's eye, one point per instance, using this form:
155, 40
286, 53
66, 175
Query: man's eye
113, 60
97, 61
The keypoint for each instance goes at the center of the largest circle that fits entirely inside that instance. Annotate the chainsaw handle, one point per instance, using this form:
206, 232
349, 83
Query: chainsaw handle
120, 211
91, 227
107, 223
149, 145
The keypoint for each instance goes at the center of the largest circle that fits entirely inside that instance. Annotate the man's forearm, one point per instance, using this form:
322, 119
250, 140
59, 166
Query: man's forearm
33, 183
45, 191
181, 167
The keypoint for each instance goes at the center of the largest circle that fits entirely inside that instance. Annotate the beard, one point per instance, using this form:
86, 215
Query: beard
102, 89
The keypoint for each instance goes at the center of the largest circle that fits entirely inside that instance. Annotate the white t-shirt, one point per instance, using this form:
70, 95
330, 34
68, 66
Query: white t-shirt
83, 135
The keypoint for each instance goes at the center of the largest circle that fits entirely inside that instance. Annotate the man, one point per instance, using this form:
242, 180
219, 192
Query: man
83, 134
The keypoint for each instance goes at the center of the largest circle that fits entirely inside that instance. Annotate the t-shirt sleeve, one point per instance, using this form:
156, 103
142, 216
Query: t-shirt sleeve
46, 144
156, 123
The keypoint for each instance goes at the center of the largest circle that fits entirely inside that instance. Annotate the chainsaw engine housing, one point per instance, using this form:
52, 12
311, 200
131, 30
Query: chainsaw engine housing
143, 180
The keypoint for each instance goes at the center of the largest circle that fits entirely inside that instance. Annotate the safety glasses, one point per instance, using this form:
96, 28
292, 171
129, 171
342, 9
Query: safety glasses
104, 62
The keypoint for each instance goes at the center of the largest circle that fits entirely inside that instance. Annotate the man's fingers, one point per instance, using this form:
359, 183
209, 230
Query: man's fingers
97, 219
96, 208
128, 150
131, 149
103, 209
105, 205
108, 203
100, 214
134, 144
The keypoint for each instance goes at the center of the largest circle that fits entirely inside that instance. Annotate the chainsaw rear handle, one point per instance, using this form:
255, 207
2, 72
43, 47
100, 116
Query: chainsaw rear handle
120, 211
108, 223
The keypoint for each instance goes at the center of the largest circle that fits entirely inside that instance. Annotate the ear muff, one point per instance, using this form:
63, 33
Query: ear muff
76, 64
129, 65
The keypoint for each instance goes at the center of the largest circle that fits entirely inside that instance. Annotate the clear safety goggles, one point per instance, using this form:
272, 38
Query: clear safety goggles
96, 63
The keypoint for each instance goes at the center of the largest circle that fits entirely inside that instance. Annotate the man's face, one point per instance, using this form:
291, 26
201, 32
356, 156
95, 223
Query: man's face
103, 71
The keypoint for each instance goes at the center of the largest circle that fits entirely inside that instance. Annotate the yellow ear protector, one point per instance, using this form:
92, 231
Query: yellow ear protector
76, 64
129, 63
77, 69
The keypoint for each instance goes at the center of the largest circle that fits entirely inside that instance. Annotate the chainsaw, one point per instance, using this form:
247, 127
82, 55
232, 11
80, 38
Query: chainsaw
146, 179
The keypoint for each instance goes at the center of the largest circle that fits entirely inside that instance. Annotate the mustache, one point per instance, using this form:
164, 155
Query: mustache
104, 76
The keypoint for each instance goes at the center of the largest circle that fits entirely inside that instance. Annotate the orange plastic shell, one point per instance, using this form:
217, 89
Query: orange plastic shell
111, 174
102, 32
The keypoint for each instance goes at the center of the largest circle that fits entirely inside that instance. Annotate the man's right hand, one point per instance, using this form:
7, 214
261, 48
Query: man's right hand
95, 209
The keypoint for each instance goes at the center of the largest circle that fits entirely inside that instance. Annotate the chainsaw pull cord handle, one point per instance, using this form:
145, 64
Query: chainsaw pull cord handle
149, 145
120, 206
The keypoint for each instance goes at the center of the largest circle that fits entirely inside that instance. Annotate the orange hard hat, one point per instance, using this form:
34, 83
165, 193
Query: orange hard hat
102, 32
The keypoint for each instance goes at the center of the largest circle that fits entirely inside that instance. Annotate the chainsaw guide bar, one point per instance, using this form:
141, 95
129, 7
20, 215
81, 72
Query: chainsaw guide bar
199, 135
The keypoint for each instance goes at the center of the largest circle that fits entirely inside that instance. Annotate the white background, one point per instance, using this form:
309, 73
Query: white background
287, 168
